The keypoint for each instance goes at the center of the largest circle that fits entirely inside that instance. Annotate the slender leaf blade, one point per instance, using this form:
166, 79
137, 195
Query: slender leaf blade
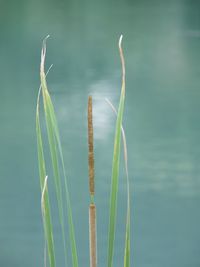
53, 149
115, 166
56, 152
69, 210
47, 222
128, 223
127, 236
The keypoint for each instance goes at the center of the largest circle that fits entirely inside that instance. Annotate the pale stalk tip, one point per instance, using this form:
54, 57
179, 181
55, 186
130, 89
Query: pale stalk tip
120, 41
43, 53
45, 39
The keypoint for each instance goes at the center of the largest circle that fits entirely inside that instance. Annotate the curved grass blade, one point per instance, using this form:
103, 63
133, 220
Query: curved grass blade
128, 223
46, 212
115, 165
69, 210
127, 239
56, 151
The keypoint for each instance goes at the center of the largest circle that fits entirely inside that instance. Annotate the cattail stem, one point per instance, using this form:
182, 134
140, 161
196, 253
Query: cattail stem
92, 207
92, 230
90, 147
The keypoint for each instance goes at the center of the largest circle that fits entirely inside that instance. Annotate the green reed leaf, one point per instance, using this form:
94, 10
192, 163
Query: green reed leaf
127, 236
56, 155
46, 212
115, 166
128, 223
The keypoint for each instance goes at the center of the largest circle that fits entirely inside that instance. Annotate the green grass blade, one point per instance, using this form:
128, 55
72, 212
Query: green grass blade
48, 229
69, 210
52, 147
115, 166
128, 224
127, 239
56, 151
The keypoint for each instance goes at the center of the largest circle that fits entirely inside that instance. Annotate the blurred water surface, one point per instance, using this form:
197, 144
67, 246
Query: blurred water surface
161, 46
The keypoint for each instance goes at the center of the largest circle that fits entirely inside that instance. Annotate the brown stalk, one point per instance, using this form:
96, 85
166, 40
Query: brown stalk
90, 147
92, 207
92, 230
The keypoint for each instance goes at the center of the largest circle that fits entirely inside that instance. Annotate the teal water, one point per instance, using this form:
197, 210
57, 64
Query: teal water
161, 46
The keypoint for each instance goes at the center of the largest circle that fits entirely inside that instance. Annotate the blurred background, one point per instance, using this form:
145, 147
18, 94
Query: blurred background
161, 46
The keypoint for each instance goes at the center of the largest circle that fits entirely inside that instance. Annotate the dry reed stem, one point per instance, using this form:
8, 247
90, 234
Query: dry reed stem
92, 230
90, 147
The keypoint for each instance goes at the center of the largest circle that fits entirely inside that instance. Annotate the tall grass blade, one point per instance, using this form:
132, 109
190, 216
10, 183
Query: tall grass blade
127, 239
115, 165
53, 121
47, 222
56, 153
128, 223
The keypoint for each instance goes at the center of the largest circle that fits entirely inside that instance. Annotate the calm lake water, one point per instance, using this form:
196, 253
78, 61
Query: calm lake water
162, 122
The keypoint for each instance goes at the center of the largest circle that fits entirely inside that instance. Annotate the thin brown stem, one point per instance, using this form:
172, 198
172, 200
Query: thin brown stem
92, 207
90, 147
92, 230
